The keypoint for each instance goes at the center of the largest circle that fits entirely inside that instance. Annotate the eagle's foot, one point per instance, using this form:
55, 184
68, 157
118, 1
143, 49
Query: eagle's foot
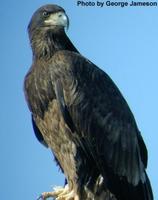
57, 191
69, 195
60, 193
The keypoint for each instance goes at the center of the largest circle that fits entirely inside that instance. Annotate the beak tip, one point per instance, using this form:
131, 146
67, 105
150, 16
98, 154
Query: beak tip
66, 22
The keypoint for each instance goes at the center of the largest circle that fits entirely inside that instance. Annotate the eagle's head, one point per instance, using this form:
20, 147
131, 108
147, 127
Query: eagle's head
47, 31
48, 17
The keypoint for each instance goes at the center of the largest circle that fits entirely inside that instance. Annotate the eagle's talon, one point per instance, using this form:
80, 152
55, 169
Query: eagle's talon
59, 193
67, 195
46, 195
40, 197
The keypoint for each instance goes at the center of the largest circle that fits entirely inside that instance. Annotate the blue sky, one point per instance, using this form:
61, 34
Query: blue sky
121, 41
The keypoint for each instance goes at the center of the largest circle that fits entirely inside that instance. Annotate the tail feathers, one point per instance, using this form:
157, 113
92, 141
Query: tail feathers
125, 191
142, 191
147, 189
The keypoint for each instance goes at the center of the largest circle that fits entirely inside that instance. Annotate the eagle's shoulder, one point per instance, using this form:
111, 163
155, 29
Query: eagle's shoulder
70, 58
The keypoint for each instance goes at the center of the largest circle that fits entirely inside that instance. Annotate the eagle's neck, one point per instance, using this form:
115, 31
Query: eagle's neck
46, 44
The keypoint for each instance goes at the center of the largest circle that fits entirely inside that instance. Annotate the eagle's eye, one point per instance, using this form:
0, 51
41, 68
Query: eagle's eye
45, 14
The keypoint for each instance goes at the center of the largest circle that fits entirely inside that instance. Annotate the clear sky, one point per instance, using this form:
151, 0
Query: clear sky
121, 41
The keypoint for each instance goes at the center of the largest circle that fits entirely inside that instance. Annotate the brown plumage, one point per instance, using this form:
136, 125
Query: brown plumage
79, 113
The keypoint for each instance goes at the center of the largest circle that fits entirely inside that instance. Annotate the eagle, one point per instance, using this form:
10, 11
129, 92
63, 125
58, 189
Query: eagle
79, 113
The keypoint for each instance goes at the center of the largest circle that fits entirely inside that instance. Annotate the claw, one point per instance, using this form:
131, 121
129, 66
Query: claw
59, 193
46, 195
40, 197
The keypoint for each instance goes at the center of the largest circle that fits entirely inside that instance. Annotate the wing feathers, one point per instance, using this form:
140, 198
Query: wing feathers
103, 120
63, 106
38, 133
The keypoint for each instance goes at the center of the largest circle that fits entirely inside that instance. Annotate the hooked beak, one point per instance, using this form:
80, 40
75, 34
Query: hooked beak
58, 19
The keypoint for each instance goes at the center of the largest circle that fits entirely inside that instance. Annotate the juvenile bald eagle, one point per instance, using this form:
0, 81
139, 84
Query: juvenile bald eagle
80, 114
